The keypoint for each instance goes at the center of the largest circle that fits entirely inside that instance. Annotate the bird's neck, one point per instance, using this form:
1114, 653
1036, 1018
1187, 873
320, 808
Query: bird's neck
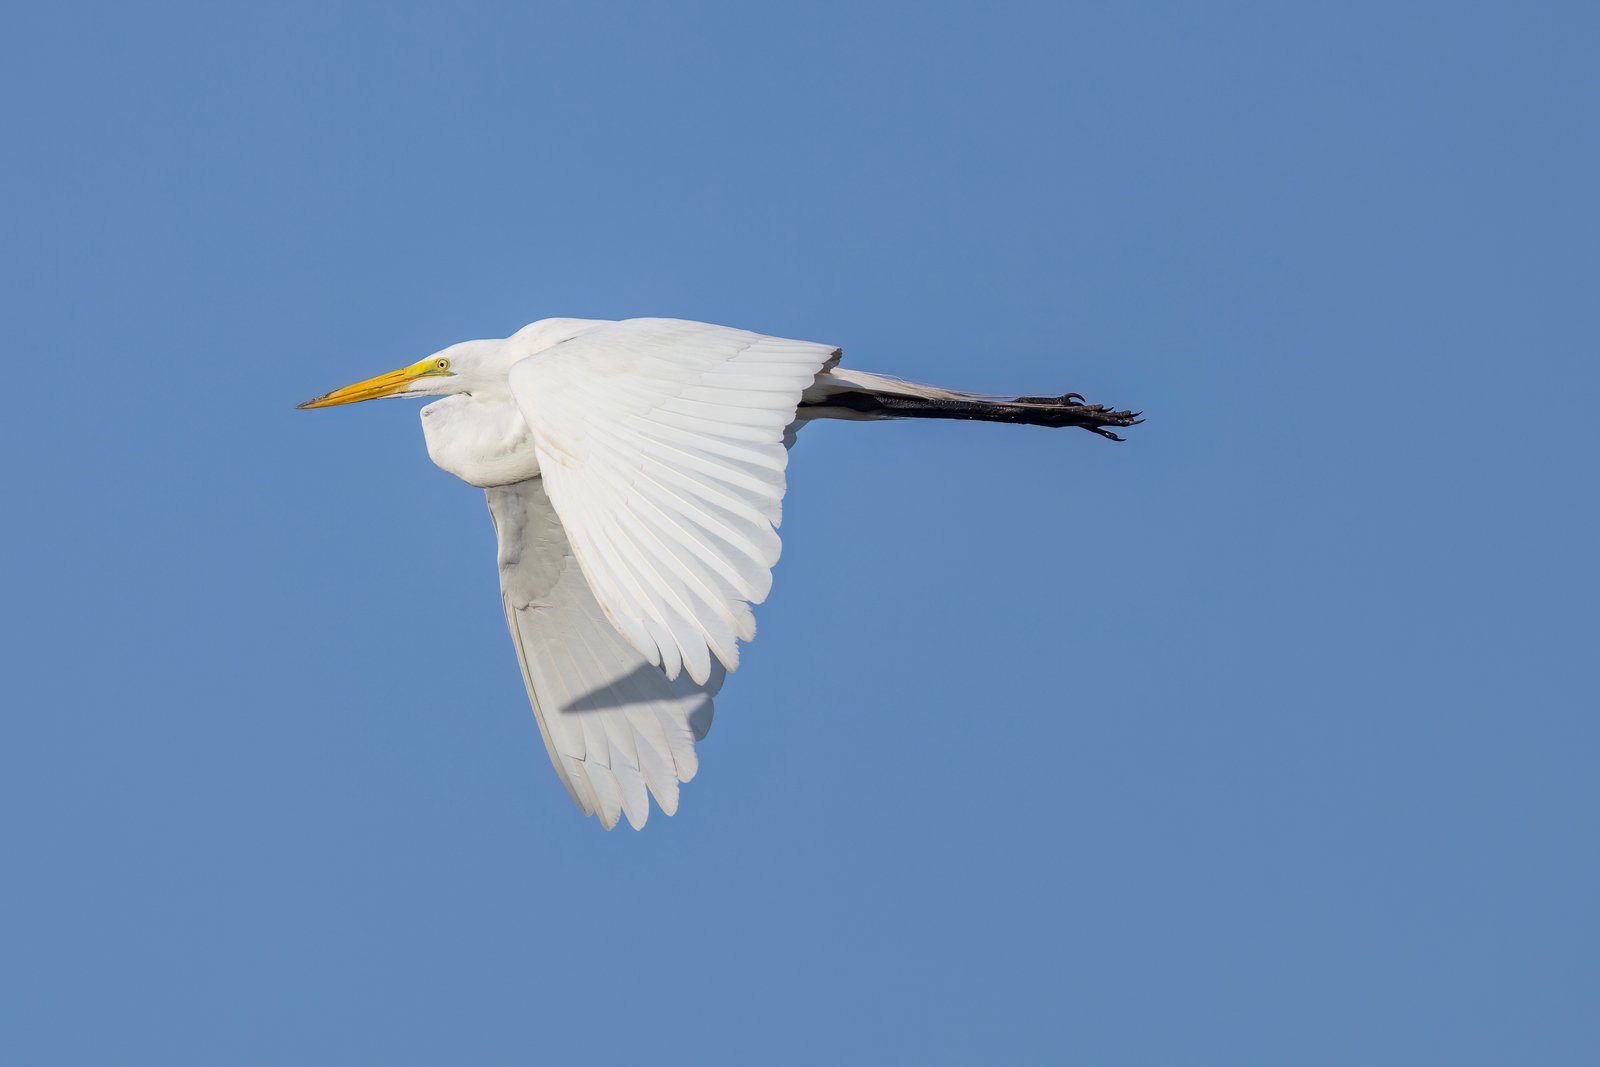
480, 438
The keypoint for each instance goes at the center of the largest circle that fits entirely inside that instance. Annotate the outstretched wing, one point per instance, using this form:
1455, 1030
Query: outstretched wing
614, 725
661, 444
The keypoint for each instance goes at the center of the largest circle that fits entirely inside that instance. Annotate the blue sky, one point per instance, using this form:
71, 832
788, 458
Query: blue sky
1267, 737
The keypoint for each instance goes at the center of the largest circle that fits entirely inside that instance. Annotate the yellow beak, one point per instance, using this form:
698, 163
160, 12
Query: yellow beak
383, 385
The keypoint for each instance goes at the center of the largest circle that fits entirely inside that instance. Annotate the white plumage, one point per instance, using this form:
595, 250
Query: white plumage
662, 450
614, 725
635, 474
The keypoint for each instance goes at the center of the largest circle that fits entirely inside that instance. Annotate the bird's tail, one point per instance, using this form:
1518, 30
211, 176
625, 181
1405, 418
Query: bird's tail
842, 393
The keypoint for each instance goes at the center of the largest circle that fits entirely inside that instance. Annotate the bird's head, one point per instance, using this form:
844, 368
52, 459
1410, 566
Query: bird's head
461, 368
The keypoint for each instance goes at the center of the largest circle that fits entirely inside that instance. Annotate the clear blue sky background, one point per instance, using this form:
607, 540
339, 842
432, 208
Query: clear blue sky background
1267, 737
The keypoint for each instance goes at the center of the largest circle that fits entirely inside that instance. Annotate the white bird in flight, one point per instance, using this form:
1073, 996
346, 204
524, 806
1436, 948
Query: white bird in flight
635, 476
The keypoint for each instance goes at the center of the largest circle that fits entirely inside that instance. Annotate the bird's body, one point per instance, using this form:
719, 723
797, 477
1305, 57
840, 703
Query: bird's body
635, 474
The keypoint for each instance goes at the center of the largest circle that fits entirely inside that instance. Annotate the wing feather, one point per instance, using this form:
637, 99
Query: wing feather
662, 447
617, 729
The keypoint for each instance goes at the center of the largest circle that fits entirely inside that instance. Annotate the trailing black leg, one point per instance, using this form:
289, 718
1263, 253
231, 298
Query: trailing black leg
1066, 410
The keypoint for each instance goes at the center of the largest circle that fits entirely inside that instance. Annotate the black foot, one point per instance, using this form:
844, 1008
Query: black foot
1069, 409
1065, 398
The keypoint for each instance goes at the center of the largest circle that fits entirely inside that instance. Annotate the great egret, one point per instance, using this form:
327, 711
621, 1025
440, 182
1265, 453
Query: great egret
635, 475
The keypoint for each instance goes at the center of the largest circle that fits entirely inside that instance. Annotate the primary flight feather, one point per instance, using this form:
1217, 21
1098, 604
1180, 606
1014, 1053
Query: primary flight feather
635, 475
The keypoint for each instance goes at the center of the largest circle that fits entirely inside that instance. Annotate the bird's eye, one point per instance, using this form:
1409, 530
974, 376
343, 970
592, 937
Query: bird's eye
442, 364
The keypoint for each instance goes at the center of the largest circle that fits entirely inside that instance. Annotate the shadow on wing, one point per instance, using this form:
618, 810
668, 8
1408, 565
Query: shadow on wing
645, 684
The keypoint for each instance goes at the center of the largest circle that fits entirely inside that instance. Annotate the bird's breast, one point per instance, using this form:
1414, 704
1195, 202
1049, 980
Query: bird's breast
482, 442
